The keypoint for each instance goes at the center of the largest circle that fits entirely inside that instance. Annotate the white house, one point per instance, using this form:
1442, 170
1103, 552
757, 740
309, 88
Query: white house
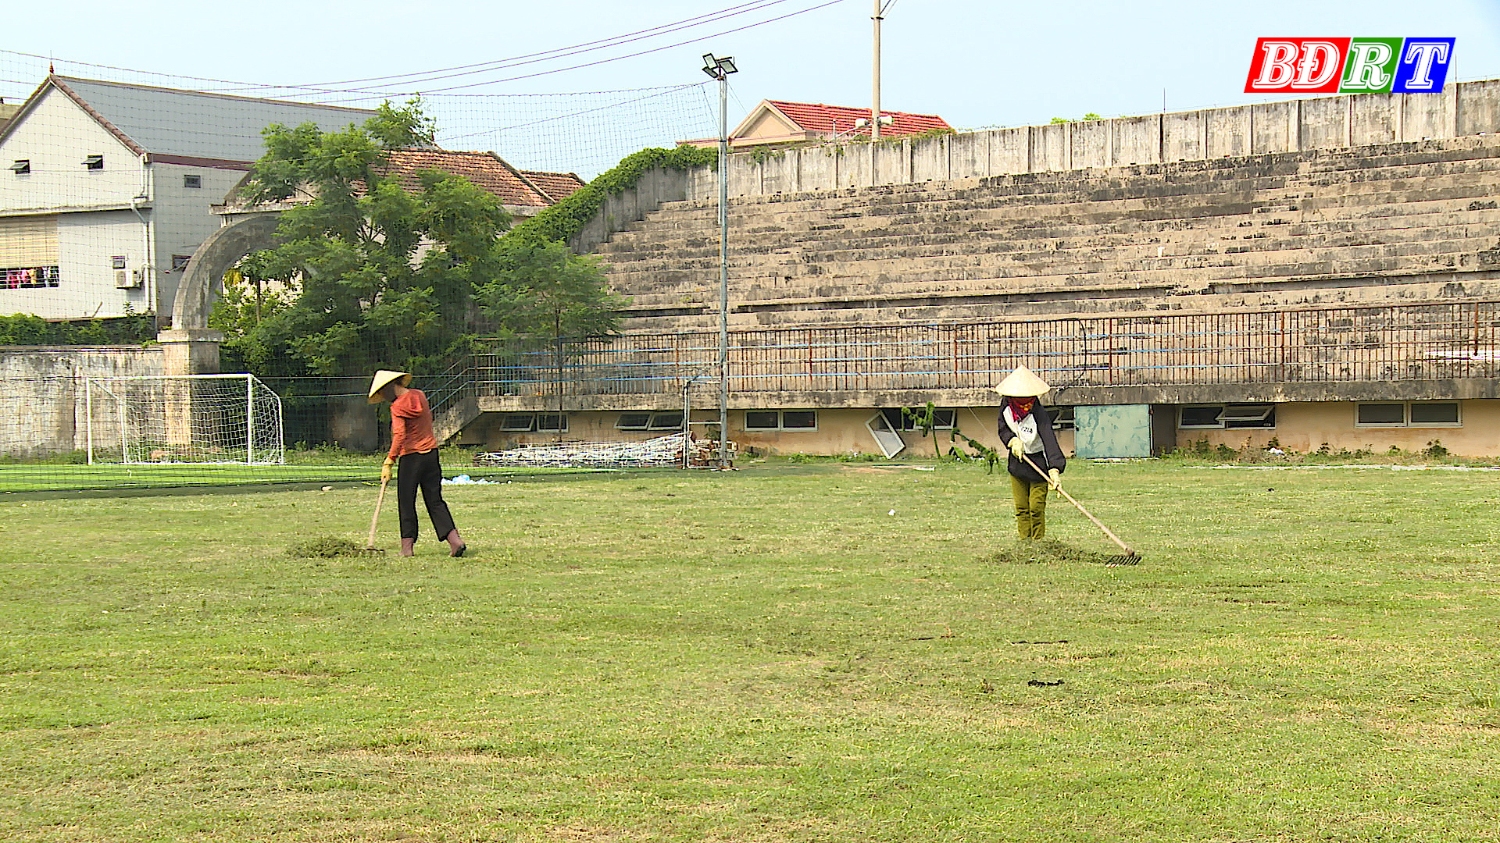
107, 189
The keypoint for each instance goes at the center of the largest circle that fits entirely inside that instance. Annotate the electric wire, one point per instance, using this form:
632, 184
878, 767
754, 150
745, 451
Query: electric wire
529, 58
641, 52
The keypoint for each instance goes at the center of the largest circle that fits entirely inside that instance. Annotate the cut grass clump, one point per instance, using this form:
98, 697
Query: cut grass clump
329, 547
1046, 551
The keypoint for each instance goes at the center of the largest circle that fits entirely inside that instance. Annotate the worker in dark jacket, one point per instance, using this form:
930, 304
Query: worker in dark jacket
1026, 431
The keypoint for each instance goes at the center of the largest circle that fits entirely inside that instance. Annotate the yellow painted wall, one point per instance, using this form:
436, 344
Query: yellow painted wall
1302, 427
839, 432
1305, 427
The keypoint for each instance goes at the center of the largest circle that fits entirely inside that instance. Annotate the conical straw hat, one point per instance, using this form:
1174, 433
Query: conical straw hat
383, 377
1022, 383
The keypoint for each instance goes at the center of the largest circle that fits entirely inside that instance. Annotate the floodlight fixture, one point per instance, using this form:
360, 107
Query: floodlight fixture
718, 68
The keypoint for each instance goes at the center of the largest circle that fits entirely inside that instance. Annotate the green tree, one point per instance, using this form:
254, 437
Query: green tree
541, 289
369, 273
373, 274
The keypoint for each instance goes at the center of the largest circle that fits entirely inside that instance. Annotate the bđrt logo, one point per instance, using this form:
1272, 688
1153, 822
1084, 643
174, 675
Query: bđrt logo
1349, 65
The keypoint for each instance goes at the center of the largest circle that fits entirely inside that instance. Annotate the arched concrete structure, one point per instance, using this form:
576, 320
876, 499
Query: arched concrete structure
219, 252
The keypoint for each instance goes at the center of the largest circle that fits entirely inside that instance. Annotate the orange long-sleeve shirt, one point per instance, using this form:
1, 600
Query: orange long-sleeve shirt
411, 425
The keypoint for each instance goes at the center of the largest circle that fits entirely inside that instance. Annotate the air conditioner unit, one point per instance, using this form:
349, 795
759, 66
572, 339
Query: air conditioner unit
130, 280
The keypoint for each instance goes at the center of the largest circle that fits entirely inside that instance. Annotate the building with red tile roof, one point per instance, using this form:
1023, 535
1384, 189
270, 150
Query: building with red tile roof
556, 186
524, 193
782, 121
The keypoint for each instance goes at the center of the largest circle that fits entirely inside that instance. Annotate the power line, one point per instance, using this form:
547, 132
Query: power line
640, 52
559, 52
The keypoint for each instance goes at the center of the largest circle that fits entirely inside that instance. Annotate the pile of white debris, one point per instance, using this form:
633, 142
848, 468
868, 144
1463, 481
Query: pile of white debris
661, 451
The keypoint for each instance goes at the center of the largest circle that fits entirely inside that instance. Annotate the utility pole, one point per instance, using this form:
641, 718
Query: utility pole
875, 105
720, 68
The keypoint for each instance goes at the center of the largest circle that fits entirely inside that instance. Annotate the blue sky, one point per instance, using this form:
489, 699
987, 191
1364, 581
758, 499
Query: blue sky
976, 63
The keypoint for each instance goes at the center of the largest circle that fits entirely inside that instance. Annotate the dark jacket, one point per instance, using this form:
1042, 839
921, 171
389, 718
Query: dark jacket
1051, 455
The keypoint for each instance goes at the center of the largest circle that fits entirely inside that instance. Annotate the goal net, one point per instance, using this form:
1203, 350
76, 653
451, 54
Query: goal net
183, 419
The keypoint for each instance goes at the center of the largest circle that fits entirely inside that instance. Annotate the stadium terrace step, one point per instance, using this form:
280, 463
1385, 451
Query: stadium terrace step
1383, 220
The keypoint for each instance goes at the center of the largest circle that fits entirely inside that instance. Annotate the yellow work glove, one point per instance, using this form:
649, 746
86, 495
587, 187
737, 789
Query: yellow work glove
1016, 447
1055, 478
385, 470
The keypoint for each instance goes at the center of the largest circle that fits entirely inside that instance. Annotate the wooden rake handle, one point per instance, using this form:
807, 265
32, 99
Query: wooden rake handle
1097, 523
375, 519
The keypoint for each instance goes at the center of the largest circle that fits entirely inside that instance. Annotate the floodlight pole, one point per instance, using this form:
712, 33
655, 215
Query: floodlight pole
720, 68
875, 104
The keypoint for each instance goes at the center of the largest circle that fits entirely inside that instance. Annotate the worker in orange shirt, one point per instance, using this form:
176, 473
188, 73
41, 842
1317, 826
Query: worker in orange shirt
416, 448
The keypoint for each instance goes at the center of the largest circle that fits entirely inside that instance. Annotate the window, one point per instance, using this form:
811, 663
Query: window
899, 420
1381, 415
1436, 413
552, 422
1416, 414
28, 278
1063, 418
1240, 416
94, 162
633, 421
762, 420
781, 419
21, 167
192, 180
180, 262
1200, 417
799, 419
1231, 416
517, 422
665, 421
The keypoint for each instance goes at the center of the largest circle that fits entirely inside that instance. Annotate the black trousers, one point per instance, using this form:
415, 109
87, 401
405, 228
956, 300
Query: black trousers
422, 471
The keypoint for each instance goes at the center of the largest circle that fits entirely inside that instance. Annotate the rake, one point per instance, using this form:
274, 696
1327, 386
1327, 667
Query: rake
375, 520
1129, 557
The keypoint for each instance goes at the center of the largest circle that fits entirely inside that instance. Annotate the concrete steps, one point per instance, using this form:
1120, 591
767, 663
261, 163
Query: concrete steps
1082, 239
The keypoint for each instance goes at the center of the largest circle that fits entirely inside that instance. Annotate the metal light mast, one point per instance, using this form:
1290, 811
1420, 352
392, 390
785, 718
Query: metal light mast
720, 68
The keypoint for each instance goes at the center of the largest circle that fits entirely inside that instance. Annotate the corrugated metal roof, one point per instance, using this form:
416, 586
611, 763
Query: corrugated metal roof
167, 121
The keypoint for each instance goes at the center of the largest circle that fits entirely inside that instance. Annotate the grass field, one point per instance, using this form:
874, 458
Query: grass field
763, 656
43, 477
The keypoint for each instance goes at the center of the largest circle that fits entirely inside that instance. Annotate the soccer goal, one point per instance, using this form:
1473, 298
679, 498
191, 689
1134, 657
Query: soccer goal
183, 419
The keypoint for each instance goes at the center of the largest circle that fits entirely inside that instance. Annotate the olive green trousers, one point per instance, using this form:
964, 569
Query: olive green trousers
1031, 507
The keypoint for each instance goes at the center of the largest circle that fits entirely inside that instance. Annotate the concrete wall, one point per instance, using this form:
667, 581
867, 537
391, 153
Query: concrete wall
96, 223
626, 207
839, 432
1300, 427
49, 383
181, 219
1305, 427
56, 137
87, 244
1469, 108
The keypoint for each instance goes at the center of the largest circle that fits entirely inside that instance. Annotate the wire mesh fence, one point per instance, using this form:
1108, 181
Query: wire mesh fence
196, 434
1329, 345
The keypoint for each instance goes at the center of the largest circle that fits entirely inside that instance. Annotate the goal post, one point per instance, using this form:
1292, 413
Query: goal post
144, 419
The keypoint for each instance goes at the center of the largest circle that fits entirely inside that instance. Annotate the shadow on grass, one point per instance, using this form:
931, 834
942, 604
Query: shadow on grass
1046, 551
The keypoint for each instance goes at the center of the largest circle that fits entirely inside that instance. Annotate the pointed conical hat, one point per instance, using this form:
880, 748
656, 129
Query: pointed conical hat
1022, 383
383, 377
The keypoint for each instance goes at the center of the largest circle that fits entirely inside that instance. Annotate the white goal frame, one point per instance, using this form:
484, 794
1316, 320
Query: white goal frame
168, 408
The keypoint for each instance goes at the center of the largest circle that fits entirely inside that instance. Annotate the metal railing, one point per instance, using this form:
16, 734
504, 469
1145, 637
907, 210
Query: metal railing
1316, 345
